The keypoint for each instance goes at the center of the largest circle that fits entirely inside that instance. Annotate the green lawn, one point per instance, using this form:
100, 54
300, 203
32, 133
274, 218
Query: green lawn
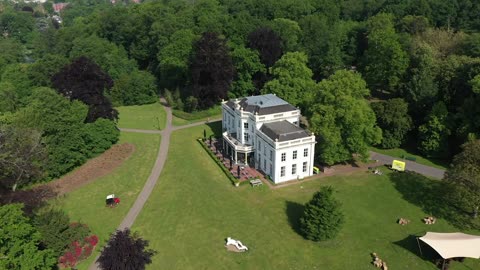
399, 152
194, 208
87, 204
181, 118
150, 116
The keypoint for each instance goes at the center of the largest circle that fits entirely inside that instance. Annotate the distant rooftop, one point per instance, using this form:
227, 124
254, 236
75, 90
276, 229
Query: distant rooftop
264, 104
283, 131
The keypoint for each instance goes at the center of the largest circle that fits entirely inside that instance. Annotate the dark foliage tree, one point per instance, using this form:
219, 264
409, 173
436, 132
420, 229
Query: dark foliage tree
267, 43
125, 251
464, 175
393, 119
85, 81
322, 218
212, 70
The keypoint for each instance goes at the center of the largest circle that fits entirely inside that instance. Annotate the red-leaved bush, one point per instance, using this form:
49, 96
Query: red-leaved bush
78, 251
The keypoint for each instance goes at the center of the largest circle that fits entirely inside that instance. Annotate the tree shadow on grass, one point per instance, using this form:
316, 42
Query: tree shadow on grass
431, 196
216, 128
294, 212
32, 199
420, 249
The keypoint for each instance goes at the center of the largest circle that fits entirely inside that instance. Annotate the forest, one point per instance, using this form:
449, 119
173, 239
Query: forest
384, 73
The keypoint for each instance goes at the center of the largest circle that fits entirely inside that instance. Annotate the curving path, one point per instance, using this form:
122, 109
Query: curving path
156, 170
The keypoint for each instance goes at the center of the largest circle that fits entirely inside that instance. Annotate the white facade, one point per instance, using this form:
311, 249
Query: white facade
259, 130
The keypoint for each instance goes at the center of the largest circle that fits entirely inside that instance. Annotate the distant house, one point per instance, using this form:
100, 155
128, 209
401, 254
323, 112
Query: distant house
263, 132
59, 6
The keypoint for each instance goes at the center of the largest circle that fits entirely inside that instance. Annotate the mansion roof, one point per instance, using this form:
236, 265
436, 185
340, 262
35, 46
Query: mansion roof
283, 131
263, 105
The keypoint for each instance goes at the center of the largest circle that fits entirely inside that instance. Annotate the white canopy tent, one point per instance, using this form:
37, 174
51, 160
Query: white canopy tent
453, 245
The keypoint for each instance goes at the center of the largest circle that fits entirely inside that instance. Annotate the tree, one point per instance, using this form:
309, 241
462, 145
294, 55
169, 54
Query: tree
136, 88
111, 58
289, 32
41, 72
322, 218
22, 156
84, 80
342, 119
61, 122
247, 64
464, 176
292, 79
20, 248
212, 70
99, 136
393, 119
267, 43
174, 58
385, 61
434, 133
125, 251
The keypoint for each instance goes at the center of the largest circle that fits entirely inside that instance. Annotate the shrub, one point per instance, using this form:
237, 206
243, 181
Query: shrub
322, 218
78, 250
99, 136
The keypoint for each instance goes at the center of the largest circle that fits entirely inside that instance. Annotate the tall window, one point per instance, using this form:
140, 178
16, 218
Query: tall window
304, 166
271, 155
238, 123
245, 136
284, 156
270, 168
282, 171
294, 168
245, 125
259, 145
295, 154
305, 152
265, 164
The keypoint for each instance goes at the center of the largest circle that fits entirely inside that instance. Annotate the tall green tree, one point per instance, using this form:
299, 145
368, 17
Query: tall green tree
393, 119
136, 88
341, 118
434, 133
289, 32
61, 122
212, 70
322, 218
20, 242
174, 59
464, 177
385, 61
292, 79
22, 156
247, 64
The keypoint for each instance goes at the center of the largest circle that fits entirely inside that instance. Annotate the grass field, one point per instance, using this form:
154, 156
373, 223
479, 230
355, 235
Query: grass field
399, 152
181, 118
150, 116
193, 208
87, 204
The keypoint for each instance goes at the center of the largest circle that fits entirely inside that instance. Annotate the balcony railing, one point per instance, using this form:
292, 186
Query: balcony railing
231, 138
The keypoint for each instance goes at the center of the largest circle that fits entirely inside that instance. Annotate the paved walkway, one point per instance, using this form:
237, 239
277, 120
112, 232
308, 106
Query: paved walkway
410, 165
156, 170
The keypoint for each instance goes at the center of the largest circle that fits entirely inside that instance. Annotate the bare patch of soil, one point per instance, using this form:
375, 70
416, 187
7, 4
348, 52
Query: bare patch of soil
88, 172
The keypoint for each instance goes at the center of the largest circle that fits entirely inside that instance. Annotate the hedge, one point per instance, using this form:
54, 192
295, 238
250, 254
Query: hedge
227, 172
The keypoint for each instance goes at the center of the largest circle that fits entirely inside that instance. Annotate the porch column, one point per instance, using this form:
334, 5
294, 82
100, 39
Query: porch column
246, 159
235, 156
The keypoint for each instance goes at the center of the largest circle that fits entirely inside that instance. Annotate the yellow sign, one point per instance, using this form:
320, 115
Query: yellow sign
398, 165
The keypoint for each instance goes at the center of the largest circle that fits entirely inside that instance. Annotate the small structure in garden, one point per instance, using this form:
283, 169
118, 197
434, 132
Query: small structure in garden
235, 245
403, 221
452, 246
379, 263
429, 220
112, 201
398, 165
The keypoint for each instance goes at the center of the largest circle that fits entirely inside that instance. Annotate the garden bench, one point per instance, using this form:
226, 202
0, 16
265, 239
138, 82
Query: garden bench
256, 182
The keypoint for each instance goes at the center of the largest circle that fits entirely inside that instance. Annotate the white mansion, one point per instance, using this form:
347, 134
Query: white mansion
263, 132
